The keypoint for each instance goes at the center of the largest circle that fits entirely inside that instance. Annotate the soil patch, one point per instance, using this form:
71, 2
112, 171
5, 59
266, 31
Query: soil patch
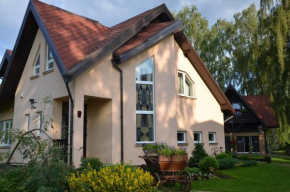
223, 176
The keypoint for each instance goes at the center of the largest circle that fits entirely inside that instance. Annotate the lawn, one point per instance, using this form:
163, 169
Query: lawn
281, 160
264, 177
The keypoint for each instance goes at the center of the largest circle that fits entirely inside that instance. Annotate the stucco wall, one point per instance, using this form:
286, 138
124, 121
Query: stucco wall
202, 114
49, 84
99, 129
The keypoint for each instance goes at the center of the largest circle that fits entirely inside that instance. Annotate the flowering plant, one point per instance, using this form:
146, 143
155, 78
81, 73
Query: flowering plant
164, 149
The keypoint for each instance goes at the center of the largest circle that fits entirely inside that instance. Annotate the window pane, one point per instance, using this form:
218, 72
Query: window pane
37, 61
50, 65
144, 71
197, 137
144, 97
145, 130
211, 137
180, 83
49, 57
36, 71
181, 136
236, 105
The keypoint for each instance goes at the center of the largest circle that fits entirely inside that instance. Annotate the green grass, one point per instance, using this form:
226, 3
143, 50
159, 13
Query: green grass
264, 178
281, 152
281, 160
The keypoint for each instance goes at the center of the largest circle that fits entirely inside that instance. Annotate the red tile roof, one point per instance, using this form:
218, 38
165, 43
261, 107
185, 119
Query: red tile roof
76, 37
144, 35
262, 106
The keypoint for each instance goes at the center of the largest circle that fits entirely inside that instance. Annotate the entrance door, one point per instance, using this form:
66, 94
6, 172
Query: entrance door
228, 143
255, 144
85, 132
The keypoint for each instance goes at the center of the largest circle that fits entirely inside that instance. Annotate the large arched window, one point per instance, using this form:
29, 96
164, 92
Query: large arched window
145, 101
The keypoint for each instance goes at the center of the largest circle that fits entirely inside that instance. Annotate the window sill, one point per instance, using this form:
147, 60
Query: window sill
5, 146
34, 77
213, 143
47, 72
182, 144
187, 97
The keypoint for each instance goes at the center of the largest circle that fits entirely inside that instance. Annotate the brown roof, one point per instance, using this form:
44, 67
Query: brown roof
143, 36
76, 37
262, 106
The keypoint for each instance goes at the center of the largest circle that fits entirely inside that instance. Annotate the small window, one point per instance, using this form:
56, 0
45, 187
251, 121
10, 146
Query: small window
36, 66
181, 137
27, 117
185, 85
197, 137
49, 60
5, 127
212, 137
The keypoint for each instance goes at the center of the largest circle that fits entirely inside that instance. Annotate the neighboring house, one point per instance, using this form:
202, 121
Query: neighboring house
113, 88
253, 116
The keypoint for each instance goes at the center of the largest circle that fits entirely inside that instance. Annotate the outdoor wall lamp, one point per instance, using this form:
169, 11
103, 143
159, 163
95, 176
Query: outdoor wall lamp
79, 114
33, 104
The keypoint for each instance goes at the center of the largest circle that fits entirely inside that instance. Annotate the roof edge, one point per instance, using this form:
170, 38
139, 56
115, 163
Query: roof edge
174, 28
197, 63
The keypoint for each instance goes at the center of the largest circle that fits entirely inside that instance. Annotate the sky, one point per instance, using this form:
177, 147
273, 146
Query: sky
111, 12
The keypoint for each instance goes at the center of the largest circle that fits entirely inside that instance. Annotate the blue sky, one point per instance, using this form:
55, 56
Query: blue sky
111, 12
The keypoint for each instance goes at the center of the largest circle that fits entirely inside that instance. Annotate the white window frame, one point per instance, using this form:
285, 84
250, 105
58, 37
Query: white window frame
153, 100
184, 77
214, 136
184, 136
200, 136
39, 119
27, 118
36, 67
3, 129
48, 61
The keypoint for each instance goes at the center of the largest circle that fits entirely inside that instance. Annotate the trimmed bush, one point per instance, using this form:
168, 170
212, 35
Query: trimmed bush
229, 153
227, 163
198, 154
112, 178
193, 170
209, 164
222, 156
92, 163
249, 163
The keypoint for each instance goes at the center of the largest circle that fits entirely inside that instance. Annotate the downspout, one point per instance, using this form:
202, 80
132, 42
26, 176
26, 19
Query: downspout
71, 120
121, 106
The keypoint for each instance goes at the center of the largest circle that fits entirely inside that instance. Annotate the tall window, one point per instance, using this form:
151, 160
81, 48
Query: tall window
49, 59
27, 117
5, 127
36, 65
145, 101
185, 85
39, 120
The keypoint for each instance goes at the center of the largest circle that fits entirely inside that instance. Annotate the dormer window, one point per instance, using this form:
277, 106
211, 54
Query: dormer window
185, 85
36, 66
49, 60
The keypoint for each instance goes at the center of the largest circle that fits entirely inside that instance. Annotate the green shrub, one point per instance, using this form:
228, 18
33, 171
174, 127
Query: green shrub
95, 163
227, 163
249, 163
198, 154
209, 164
222, 156
112, 178
193, 170
229, 153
